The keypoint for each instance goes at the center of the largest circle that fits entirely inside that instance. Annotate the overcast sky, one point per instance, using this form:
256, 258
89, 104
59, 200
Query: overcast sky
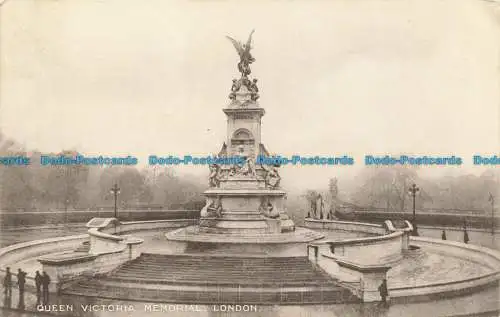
336, 77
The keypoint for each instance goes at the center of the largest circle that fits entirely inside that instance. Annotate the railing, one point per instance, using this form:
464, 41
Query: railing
31, 248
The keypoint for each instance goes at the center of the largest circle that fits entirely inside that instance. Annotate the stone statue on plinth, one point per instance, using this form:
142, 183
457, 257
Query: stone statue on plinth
321, 206
267, 209
332, 198
234, 88
212, 209
316, 205
214, 177
248, 168
244, 204
244, 92
254, 89
272, 177
333, 187
246, 57
313, 207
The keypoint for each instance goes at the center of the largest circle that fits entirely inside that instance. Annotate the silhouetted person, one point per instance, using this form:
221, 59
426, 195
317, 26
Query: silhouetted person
466, 235
443, 235
21, 281
383, 292
7, 301
38, 284
7, 283
45, 287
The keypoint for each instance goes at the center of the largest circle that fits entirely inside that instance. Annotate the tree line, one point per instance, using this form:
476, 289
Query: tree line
43, 188
386, 188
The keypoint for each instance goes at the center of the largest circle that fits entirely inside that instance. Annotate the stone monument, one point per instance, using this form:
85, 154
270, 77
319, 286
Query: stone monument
244, 197
244, 200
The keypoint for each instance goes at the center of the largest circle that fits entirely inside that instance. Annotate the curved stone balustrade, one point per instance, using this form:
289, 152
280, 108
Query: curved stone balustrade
360, 263
66, 245
472, 252
107, 252
480, 255
99, 222
387, 247
101, 242
351, 226
343, 260
32, 249
359, 277
370, 250
103, 235
22, 251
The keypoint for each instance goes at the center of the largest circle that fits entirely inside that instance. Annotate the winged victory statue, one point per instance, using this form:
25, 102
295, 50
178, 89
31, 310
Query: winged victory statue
246, 57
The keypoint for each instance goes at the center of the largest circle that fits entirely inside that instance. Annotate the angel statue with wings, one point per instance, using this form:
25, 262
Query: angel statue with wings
245, 57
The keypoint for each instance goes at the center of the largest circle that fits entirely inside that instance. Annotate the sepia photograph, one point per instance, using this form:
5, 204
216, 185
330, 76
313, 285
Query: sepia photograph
270, 158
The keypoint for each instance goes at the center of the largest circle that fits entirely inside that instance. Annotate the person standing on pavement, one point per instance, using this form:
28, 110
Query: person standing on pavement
45, 287
7, 283
38, 284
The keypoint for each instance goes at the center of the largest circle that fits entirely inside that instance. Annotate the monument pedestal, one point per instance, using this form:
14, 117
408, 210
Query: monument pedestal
244, 210
238, 223
197, 239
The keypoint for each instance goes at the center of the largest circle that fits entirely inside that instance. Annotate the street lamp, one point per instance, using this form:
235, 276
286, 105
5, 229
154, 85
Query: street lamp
115, 190
491, 199
413, 190
66, 203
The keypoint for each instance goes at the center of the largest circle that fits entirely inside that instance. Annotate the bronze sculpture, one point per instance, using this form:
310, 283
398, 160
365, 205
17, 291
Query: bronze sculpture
246, 57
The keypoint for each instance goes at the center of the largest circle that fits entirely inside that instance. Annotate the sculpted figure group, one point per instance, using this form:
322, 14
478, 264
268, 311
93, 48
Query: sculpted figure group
212, 209
251, 86
272, 177
247, 169
267, 209
246, 59
214, 177
317, 209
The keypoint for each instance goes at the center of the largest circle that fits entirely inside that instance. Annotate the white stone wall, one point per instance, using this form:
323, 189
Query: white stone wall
26, 250
36, 248
376, 250
345, 226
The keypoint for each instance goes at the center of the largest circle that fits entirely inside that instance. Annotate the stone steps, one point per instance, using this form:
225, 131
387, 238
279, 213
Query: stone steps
263, 296
233, 283
213, 269
216, 279
186, 259
180, 275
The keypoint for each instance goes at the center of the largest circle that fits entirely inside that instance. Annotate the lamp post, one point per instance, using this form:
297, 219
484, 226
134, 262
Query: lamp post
115, 190
413, 190
491, 199
466, 235
66, 203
